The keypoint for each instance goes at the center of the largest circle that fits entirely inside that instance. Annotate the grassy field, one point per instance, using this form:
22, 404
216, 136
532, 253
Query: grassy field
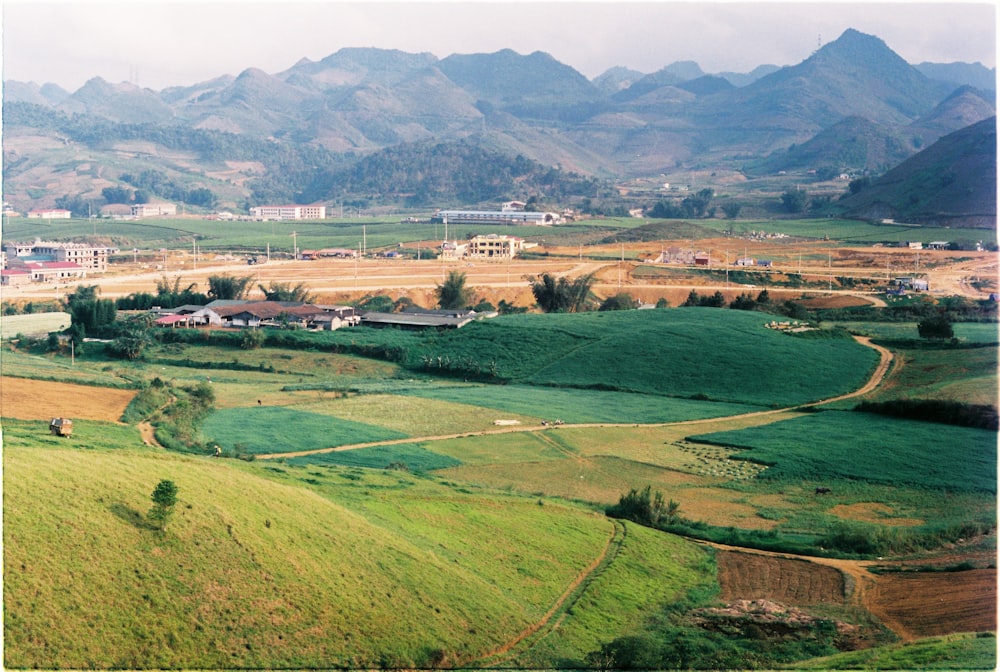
578, 406
386, 232
267, 430
374, 232
869, 448
968, 651
280, 566
657, 352
35, 324
443, 551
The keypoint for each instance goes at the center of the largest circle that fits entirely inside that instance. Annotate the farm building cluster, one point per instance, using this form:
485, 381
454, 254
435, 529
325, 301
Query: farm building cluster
48, 261
677, 255
243, 314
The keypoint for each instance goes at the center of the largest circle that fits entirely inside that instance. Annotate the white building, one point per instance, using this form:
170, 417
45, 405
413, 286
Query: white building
49, 214
268, 213
154, 210
494, 246
87, 257
517, 217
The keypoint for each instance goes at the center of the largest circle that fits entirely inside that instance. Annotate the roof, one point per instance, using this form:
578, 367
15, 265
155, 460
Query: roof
171, 319
53, 265
268, 309
14, 271
418, 320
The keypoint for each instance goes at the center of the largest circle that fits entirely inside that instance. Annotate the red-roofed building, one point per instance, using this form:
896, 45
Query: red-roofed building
11, 277
48, 271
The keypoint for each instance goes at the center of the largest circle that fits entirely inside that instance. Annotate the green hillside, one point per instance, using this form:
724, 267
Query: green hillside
270, 566
967, 651
703, 353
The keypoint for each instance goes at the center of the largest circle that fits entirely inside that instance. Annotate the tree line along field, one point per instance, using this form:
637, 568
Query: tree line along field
443, 539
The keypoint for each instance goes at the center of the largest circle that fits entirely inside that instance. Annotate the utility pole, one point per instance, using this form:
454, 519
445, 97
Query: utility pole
295, 245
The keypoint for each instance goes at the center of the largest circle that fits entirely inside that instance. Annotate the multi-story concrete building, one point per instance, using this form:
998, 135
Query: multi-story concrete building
87, 257
494, 246
287, 212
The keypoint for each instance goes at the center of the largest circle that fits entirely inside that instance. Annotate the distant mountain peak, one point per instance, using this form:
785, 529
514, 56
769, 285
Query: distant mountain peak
860, 48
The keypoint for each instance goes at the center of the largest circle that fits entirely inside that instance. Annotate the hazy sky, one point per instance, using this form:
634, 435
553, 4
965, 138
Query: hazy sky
181, 42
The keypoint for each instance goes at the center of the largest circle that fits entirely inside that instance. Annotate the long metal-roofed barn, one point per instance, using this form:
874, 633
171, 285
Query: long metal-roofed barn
422, 319
519, 217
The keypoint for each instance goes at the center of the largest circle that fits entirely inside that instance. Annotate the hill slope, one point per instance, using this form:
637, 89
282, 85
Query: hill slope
951, 183
269, 572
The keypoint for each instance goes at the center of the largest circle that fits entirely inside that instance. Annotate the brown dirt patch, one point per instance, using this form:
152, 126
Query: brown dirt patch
746, 576
873, 512
925, 604
838, 301
27, 399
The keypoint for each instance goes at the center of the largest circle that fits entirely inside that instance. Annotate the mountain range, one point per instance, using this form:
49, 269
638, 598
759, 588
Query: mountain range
853, 106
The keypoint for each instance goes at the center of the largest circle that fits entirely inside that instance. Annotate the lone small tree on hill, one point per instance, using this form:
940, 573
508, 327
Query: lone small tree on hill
164, 499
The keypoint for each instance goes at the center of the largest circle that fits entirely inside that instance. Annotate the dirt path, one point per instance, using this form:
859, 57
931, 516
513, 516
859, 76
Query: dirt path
607, 554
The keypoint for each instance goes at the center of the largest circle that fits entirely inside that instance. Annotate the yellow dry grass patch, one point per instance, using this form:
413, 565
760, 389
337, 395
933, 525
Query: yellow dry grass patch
873, 512
27, 399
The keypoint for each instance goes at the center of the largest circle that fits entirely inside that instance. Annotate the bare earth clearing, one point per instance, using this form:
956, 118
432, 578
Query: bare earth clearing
26, 399
911, 604
339, 280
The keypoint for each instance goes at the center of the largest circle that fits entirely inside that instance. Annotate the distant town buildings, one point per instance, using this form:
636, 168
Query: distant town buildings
46, 261
268, 213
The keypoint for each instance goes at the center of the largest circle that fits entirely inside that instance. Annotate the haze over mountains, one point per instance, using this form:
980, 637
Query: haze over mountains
854, 105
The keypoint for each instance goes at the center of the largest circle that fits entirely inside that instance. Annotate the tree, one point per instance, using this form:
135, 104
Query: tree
509, 308
620, 301
452, 294
859, 184
252, 339
117, 194
89, 313
164, 498
228, 287
379, 303
794, 200
130, 344
731, 209
935, 327
280, 291
561, 295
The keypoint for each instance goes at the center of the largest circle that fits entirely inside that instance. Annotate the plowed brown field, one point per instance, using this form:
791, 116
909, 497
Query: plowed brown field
42, 400
911, 604
746, 576
925, 604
